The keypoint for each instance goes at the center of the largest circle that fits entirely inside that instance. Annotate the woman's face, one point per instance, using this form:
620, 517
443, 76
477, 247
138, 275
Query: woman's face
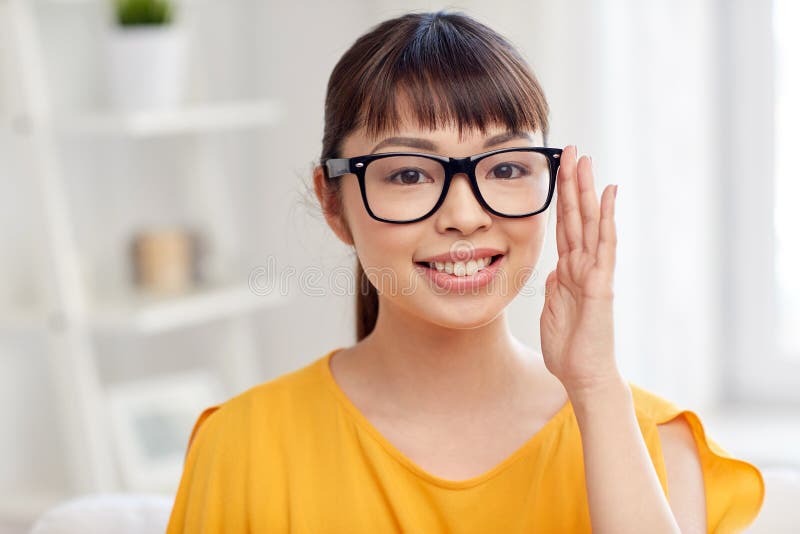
388, 252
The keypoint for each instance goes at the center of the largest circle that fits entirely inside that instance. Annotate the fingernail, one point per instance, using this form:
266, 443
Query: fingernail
615, 191
590, 160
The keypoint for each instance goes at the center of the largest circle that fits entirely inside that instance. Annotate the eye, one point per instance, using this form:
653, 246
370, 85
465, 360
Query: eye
406, 177
506, 171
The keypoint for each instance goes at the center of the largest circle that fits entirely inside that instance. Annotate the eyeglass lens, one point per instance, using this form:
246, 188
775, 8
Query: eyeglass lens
403, 188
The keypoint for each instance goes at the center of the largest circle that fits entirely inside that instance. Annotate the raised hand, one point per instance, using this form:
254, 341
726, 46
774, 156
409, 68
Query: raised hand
577, 323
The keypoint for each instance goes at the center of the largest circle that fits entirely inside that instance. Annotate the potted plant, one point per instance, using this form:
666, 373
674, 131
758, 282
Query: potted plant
147, 55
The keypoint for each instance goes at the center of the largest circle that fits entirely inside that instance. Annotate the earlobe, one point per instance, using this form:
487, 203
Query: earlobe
334, 215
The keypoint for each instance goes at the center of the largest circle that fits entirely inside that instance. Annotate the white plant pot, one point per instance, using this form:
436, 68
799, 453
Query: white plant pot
146, 67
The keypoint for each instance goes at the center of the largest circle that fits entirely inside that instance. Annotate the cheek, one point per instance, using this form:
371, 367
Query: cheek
527, 239
384, 250
528, 236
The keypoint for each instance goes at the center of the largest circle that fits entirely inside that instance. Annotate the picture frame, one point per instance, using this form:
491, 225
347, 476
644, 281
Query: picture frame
151, 421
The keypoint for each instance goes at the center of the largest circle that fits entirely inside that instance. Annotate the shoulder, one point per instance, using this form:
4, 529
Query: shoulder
670, 424
659, 417
243, 439
694, 469
650, 407
259, 407
672, 439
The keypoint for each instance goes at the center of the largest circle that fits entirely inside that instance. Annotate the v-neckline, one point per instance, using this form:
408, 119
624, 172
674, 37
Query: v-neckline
363, 422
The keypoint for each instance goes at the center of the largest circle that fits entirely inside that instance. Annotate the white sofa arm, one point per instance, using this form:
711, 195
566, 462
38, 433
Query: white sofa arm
120, 513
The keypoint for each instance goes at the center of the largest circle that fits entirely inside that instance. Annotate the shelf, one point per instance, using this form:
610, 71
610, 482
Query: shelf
212, 117
151, 315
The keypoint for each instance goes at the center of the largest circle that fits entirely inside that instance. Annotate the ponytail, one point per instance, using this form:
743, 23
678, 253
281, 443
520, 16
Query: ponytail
366, 304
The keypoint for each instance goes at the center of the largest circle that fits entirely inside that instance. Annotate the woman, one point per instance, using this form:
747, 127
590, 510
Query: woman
435, 170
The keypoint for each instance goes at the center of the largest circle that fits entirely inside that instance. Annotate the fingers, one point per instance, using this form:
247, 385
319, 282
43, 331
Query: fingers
568, 198
581, 222
607, 247
590, 210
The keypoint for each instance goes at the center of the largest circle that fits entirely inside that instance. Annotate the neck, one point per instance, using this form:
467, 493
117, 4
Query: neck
423, 366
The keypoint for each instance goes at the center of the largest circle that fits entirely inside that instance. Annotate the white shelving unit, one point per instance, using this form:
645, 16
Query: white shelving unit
72, 316
210, 118
149, 316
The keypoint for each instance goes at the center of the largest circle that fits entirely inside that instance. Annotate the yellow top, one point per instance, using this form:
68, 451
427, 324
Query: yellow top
295, 455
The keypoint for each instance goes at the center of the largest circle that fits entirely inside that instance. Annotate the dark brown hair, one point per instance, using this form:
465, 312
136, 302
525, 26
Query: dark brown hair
451, 69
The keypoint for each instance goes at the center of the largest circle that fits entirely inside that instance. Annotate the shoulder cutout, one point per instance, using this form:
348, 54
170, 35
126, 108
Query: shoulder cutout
686, 492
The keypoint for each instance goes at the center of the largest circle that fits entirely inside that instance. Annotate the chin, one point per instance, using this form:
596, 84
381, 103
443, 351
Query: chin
463, 314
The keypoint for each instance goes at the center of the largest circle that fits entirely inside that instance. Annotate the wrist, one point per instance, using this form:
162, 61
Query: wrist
600, 393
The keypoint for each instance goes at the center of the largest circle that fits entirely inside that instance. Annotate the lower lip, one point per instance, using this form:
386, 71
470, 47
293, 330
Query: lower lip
450, 282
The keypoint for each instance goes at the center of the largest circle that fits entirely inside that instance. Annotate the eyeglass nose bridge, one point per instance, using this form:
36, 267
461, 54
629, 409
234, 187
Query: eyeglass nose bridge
459, 166
464, 166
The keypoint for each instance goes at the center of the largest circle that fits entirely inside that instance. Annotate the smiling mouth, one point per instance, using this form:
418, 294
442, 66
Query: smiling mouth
459, 268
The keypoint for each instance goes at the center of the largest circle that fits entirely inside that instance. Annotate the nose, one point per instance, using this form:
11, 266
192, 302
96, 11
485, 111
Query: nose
461, 210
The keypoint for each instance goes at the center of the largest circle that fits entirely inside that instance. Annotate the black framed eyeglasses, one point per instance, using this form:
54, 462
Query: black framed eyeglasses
406, 187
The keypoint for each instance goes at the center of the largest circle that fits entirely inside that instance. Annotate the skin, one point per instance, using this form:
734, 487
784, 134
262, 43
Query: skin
438, 366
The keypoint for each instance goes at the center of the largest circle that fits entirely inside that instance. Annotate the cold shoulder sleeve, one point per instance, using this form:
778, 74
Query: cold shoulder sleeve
734, 488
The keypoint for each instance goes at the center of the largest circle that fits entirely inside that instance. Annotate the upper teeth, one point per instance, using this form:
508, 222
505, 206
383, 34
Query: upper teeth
460, 268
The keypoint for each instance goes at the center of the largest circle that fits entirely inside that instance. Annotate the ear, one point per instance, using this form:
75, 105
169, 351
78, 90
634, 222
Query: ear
330, 207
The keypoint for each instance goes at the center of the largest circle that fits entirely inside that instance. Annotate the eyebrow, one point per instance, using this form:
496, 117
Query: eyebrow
426, 144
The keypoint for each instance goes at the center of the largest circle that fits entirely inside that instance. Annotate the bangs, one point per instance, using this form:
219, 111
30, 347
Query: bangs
448, 76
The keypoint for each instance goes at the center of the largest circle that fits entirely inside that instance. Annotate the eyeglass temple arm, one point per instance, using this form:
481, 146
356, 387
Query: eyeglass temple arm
337, 167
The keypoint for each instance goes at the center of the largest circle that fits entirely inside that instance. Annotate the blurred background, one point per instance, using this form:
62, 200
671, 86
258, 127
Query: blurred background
160, 250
